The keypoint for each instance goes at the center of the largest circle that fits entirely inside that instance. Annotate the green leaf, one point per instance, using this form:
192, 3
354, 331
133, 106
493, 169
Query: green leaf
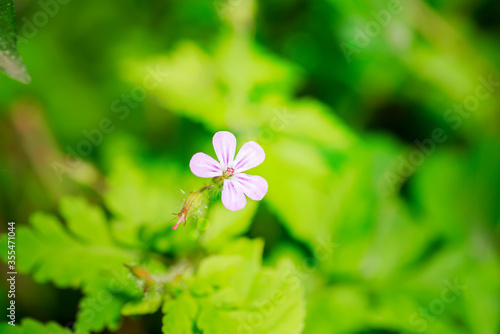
224, 225
149, 304
179, 314
228, 276
86, 259
86, 221
235, 68
303, 203
40, 252
98, 311
213, 320
142, 208
216, 270
278, 295
241, 281
10, 60
275, 304
338, 309
241, 291
188, 72
30, 326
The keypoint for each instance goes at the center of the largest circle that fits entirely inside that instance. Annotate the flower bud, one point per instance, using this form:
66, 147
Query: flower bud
142, 274
192, 203
138, 272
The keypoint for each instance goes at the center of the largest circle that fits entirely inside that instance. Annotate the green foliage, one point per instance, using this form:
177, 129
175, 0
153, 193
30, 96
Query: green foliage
227, 285
10, 61
99, 270
334, 247
142, 210
235, 293
303, 127
30, 326
179, 314
222, 226
97, 311
150, 303
86, 238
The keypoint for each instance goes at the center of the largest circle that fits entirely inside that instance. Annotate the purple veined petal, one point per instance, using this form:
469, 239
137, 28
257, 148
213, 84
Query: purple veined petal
232, 196
249, 156
225, 147
254, 186
203, 165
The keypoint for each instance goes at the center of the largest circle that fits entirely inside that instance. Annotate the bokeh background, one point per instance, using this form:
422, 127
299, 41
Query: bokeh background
381, 126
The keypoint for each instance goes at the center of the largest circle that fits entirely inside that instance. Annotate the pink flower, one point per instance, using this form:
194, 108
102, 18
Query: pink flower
236, 183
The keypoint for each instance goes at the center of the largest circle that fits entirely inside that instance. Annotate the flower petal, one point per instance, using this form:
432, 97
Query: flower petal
225, 146
232, 196
249, 156
203, 165
254, 186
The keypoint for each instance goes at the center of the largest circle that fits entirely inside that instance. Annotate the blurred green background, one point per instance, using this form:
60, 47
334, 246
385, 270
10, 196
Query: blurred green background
381, 126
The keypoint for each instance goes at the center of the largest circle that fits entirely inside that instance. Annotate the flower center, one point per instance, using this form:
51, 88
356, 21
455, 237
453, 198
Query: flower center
228, 172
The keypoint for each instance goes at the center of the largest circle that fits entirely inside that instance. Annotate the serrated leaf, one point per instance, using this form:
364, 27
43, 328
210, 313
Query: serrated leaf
179, 314
78, 265
11, 62
86, 221
98, 311
275, 305
87, 260
147, 305
278, 295
241, 281
249, 298
217, 269
228, 277
30, 326
213, 320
